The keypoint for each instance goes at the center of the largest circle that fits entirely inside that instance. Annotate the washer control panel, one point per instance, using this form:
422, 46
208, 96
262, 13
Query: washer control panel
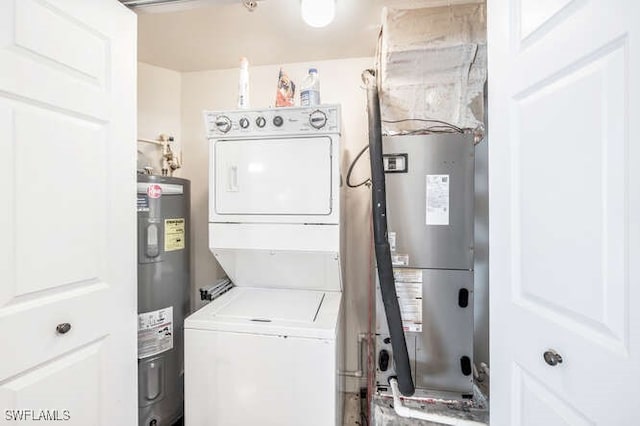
265, 122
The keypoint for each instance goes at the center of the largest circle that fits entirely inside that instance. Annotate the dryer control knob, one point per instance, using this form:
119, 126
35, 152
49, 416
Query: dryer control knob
278, 121
244, 122
261, 122
223, 123
317, 119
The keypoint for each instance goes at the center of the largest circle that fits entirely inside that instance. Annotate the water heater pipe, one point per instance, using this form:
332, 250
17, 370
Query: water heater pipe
150, 141
410, 413
170, 161
381, 242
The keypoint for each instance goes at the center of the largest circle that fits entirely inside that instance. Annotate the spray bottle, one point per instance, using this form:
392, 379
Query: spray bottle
243, 84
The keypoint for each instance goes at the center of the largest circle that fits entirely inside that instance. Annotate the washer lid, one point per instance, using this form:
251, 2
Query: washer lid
282, 312
264, 305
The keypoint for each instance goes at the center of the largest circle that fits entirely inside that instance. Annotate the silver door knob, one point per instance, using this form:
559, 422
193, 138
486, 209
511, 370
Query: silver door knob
552, 357
63, 328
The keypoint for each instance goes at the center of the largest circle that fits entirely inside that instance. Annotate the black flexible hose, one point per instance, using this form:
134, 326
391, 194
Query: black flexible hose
381, 243
353, 164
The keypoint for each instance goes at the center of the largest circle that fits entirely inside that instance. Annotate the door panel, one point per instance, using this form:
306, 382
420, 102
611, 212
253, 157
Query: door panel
33, 338
536, 17
577, 203
40, 388
85, 52
273, 176
538, 405
67, 254
564, 210
73, 52
62, 213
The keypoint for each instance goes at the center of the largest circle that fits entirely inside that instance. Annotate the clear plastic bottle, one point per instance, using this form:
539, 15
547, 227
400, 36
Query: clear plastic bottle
243, 84
310, 93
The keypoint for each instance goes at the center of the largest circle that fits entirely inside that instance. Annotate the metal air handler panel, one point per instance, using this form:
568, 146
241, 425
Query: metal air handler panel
430, 210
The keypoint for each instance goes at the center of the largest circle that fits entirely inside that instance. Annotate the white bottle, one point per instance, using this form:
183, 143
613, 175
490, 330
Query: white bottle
243, 84
310, 93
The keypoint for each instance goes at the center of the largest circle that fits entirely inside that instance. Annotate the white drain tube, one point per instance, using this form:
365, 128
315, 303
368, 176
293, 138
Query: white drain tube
407, 412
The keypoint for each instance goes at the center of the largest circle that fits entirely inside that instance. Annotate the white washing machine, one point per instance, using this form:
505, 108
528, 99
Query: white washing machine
269, 351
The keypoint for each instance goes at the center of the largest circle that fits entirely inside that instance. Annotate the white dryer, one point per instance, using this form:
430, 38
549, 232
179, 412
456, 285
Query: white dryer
269, 351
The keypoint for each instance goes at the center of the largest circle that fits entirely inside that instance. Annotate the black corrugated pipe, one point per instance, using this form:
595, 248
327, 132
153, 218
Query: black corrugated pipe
381, 243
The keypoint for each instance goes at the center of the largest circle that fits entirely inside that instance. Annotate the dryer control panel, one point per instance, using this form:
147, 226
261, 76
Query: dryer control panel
320, 119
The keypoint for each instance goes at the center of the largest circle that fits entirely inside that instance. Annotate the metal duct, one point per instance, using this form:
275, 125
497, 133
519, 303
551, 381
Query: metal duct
381, 243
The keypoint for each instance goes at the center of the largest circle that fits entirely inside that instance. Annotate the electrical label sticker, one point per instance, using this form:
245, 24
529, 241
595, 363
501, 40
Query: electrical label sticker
408, 275
409, 292
391, 236
399, 259
437, 200
155, 332
174, 234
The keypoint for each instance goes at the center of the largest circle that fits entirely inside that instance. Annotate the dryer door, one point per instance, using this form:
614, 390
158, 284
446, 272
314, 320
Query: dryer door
264, 177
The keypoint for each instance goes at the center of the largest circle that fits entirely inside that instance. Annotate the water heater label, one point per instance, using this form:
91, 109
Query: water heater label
174, 234
142, 204
437, 200
155, 332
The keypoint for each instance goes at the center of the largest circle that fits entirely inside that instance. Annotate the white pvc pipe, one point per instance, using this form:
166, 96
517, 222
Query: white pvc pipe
360, 372
485, 368
476, 374
407, 412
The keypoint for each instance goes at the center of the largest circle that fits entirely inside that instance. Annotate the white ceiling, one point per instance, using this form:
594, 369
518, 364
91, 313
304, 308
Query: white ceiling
214, 34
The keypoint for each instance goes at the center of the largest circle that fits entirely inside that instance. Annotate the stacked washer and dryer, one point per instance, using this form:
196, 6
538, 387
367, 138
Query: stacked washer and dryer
269, 351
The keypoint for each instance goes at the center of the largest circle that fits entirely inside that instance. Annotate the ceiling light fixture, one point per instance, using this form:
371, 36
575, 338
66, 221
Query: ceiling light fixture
318, 13
250, 4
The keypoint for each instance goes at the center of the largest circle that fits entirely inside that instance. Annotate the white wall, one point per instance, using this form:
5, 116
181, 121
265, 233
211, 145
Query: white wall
159, 104
340, 83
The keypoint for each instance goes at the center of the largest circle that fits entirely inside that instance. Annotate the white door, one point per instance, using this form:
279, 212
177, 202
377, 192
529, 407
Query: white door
290, 176
564, 108
67, 247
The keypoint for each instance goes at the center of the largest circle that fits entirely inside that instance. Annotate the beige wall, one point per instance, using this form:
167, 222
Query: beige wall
159, 104
340, 83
